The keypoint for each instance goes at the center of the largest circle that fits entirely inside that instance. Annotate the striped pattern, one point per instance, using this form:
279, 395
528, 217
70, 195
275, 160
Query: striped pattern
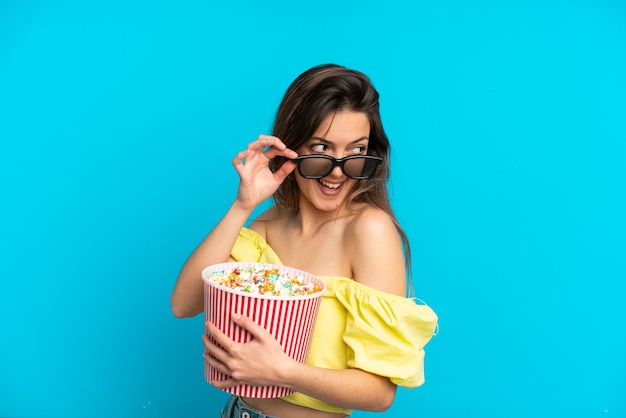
289, 319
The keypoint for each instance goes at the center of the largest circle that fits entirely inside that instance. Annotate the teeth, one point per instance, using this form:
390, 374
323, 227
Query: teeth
330, 185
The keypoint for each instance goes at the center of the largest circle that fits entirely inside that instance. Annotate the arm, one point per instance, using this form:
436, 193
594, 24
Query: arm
386, 270
187, 299
349, 388
256, 184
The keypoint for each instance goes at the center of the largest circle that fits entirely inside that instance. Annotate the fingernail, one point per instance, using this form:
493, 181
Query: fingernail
236, 316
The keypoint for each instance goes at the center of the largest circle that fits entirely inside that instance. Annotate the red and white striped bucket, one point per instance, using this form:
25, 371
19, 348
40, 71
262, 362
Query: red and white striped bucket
290, 319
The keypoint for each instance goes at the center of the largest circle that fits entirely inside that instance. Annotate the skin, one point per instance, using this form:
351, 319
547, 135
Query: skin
331, 241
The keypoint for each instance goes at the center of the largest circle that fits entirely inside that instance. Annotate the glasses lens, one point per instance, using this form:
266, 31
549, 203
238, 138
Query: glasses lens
315, 167
360, 167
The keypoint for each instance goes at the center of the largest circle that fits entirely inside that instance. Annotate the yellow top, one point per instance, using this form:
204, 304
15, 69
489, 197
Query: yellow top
357, 327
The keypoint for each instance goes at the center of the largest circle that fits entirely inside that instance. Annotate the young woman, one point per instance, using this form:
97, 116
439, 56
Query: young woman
327, 167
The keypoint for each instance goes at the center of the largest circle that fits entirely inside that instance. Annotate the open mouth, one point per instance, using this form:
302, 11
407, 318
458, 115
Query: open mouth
330, 185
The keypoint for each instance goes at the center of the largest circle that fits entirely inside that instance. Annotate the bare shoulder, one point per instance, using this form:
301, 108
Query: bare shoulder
371, 220
271, 220
261, 223
376, 251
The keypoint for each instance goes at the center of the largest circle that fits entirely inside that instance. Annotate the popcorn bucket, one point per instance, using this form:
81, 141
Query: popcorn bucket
290, 319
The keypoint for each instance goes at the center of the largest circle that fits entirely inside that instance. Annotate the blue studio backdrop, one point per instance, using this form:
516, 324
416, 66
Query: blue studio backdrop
118, 123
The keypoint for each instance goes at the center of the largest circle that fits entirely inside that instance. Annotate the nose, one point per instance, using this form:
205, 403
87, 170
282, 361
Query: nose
337, 172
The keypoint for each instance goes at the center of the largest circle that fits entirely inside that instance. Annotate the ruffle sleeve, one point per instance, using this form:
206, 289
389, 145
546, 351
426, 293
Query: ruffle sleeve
251, 247
385, 334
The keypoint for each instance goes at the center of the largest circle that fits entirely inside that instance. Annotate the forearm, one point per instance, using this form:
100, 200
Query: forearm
187, 297
350, 388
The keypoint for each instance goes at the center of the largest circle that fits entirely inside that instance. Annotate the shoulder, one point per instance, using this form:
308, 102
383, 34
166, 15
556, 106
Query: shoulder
371, 220
267, 221
376, 251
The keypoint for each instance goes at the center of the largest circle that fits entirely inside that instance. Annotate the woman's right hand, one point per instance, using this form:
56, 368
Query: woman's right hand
256, 181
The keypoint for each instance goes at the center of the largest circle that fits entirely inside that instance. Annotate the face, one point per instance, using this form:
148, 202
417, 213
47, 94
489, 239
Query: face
339, 135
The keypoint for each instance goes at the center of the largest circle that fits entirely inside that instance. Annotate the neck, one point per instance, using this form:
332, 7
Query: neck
310, 220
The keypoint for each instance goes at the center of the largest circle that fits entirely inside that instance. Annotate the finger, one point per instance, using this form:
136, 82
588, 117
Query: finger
225, 384
240, 157
266, 141
216, 364
219, 338
285, 152
217, 357
284, 170
267, 146
210, 345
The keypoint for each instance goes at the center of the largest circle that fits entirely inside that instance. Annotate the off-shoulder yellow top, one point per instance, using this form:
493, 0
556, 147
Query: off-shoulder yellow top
357, 327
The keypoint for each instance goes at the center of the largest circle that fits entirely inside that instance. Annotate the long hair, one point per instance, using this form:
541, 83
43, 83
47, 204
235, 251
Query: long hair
315, 94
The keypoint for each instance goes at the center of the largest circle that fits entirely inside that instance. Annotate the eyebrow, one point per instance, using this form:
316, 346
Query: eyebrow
326, 141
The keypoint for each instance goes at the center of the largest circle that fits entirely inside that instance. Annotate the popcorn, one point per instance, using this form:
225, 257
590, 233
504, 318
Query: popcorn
257, 279
281, 299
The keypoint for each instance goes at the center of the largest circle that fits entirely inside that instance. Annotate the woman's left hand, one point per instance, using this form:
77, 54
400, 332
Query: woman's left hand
259, 362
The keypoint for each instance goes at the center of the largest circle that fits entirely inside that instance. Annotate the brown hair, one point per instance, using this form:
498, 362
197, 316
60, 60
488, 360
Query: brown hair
313, 95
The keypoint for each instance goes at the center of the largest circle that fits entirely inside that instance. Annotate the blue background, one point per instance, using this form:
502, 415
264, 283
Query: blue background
118, 122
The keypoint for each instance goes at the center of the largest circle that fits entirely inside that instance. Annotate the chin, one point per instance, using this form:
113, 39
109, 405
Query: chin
329, 206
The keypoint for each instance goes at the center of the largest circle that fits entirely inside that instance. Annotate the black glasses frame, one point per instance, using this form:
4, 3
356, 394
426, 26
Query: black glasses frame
338, 163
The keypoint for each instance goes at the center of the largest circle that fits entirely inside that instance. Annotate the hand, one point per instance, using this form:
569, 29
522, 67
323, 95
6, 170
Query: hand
259, 362
256, 181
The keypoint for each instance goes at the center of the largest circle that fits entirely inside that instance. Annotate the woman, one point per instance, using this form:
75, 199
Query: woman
327, 167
